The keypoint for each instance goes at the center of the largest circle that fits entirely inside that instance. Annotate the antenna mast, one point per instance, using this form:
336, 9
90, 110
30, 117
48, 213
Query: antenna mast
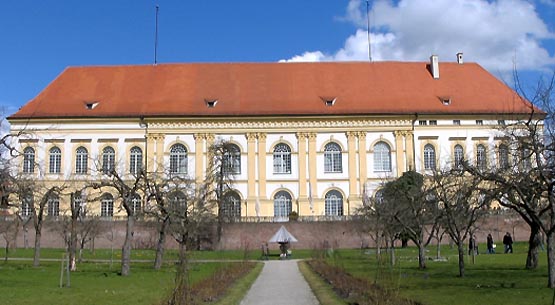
368, 30
156, 37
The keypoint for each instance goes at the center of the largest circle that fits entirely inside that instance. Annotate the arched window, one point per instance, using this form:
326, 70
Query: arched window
178, 159
503, 156
526, 157
81, 160
429, 157
458, 156
282, 204
28, 160
232, 205
27, 206
136, 204
232, 159
282, 159
481, 162
80, 206
55, 160
332, 158
53, 206
108, 160
135, 160
382, 157
177, 201
107, 206
334, 203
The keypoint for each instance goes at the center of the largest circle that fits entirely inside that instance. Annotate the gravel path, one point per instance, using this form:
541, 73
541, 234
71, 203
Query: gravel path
280, 282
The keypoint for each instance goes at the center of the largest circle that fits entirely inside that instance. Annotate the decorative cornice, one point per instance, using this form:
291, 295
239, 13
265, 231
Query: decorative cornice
281, 124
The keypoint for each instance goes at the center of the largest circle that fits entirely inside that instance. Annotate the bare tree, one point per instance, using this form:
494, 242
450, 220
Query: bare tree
128, 191
414, 208
461, 206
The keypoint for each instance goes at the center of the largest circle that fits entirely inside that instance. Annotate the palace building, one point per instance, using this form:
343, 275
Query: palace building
313, 138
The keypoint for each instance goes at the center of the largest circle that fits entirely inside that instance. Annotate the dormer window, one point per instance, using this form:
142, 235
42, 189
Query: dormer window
91, 105
211, 103
445, 100
329, 101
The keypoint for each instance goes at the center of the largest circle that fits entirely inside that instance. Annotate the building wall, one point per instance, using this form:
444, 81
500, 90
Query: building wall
257, 184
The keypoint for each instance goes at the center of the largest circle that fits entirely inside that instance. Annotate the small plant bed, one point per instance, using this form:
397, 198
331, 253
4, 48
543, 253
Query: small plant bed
356, 290
212, 288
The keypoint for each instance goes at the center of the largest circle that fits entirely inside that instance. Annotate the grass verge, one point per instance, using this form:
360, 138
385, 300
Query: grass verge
237, 292
322, 290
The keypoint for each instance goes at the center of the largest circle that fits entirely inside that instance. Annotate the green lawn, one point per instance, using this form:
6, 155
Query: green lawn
493, 279
93, 283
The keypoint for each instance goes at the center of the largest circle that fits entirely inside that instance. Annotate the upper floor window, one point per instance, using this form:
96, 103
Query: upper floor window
55, 160
107, 206
503, 156
456, 122
178, 159
429, 157
433, 122
382, 157
334, 203
332, 158
282, 159
481, 161
81, 160
422, 122
232, 159
28, 160
108, 160
458, 156
80, 206
479, 122
135, 160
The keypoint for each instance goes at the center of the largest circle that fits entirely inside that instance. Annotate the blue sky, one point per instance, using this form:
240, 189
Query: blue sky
41, 38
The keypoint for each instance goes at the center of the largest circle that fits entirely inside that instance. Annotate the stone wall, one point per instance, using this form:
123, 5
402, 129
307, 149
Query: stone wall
338, 234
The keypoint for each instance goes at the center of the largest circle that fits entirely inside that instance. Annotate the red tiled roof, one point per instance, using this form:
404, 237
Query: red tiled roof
259, 89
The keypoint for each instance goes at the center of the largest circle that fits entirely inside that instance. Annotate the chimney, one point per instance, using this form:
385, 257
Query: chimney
460, 58
434, 66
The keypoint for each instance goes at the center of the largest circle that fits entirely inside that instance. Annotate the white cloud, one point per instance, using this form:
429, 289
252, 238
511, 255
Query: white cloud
492, 33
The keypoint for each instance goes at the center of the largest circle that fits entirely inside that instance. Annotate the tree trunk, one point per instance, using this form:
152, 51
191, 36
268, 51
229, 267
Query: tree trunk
126, 249
73, 244
36, 258
534, 242
392, 253
421, 256
550, 260
460, 248
378, 245
181, 290
161, 244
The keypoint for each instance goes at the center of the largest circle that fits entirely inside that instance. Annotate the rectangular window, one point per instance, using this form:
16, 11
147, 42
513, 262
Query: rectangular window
422, 123
501, 122
433, 122
479, 122
456, 122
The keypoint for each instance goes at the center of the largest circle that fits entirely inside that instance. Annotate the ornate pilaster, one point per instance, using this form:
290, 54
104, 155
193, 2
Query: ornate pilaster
251, 166
262, 165
150, 158
409, 147
352, 154
199, 156
399, 152
362, 159
312, 166
159, 138
304, 207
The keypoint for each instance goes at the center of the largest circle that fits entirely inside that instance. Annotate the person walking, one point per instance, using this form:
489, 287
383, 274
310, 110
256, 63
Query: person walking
491, 249
508, 243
